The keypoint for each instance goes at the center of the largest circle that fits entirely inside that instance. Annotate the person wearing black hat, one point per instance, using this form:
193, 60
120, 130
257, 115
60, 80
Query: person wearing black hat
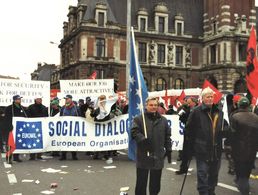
244, 130
37, 110
15, 109
184, 112
69, 109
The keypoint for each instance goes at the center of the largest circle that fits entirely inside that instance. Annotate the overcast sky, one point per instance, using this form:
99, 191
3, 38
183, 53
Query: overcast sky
27, 27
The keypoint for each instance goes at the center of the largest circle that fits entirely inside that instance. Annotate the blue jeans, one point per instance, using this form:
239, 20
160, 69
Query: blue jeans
207, 176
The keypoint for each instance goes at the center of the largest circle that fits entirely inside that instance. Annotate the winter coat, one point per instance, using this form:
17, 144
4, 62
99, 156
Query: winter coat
11, 111
204, 132
71, 110
159, 133
244, 128
37, 110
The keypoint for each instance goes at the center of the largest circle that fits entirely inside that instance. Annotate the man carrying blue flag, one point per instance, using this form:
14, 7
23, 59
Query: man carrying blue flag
152, 135
137, 94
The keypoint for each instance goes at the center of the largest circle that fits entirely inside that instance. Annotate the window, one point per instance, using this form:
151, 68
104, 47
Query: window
142, 24
142, 52
161, 53
214, 27
161, 24
179, 84
179, 55
100, 47
225, 52
179, 28
101, 19
242, 51
213, 54
161, 84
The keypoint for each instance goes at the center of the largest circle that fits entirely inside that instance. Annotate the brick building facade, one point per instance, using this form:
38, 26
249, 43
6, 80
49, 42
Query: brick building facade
179, 42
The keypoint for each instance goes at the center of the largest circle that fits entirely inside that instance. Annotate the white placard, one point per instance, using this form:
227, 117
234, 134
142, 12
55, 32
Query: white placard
87, 87
29, 90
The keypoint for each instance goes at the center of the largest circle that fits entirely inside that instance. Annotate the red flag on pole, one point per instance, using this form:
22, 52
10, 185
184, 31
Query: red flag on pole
93, 75
217, 95
11, 144
251, 65
180, 99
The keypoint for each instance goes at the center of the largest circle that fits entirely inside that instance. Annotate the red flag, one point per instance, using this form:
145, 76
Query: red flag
93, 75
217, 95
251, 65
180, 99
11, 144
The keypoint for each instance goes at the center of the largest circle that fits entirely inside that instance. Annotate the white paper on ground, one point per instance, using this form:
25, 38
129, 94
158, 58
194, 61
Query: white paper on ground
50, 170
109, 167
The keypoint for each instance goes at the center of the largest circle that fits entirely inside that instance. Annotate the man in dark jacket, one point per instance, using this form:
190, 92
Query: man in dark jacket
69, 109
15, 109
204, 132
153, 144
37, 110
184, 112
244, 143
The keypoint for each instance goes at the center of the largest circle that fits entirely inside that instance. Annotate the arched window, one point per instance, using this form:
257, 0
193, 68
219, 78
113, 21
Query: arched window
179, 84
161, 84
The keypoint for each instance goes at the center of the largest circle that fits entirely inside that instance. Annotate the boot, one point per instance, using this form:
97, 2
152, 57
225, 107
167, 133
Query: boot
16, 158
63, 156
74, 156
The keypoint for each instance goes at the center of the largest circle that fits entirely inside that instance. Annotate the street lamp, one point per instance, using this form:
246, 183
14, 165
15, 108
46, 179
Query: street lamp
51, 42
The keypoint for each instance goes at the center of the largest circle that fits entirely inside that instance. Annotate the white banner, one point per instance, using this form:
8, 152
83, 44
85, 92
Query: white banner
87, 87
29, 90
68, 133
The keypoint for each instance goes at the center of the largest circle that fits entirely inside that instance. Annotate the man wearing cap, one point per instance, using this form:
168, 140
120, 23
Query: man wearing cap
14, 110
54, 107
37, 110
244, 130
69, 109
204, 132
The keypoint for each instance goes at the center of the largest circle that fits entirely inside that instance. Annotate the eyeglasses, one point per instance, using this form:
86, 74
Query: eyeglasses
155, 105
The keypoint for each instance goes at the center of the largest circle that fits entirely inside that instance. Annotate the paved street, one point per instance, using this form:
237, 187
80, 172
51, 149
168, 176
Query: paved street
95, 177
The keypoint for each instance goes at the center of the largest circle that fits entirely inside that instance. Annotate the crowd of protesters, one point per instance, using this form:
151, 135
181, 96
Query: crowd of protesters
205, 128
86, 109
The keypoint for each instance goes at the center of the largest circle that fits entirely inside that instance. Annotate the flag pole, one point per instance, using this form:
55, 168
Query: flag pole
128, 50
139, 86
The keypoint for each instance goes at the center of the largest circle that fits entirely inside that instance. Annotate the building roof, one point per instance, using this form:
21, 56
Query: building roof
191, 11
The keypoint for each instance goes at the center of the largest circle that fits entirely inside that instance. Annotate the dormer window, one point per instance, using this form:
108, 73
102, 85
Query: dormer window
101, 19
179, 28
101, 14
161, 24
161, 18
179, 25
142, 24
142, 20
